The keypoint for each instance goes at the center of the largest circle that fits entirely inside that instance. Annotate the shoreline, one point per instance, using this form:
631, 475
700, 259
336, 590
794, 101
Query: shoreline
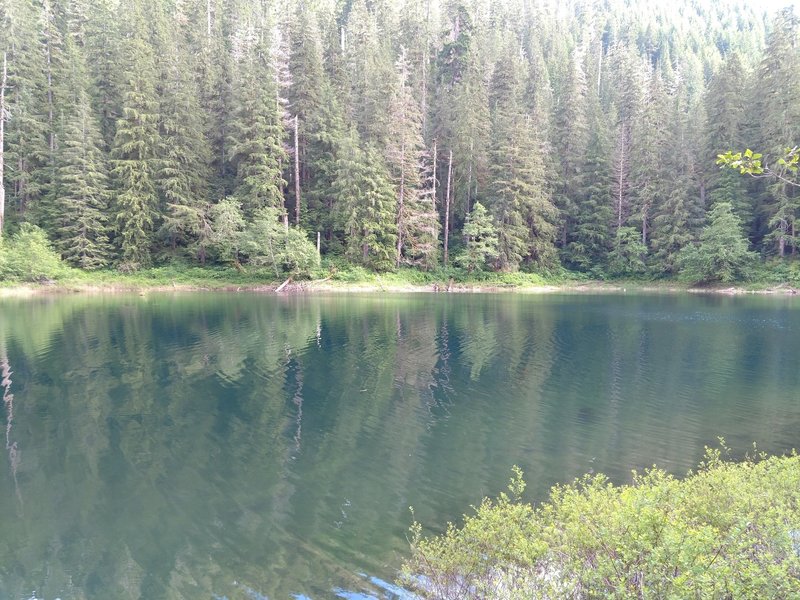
27, 290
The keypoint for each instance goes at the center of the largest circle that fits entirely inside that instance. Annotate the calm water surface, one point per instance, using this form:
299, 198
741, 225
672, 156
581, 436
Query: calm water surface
251, 446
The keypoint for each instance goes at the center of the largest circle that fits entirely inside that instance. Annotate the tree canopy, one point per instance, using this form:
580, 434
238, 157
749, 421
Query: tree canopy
381, 126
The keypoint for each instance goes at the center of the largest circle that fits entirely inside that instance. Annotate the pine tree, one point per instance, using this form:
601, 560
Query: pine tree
27, 154
134, 159
779, 88
679, 212
366, 206
520, 201
81, 179
184, 156
726, 123
416, 216
256, 139
722, 254
482, 240
591, 238
573, 141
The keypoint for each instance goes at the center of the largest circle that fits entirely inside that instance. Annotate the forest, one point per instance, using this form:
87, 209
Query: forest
509, 135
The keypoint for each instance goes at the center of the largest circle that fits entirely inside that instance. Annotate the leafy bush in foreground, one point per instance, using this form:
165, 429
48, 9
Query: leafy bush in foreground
730, 530
28, 256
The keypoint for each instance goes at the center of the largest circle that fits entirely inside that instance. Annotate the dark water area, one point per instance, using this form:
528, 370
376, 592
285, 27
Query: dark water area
253, 446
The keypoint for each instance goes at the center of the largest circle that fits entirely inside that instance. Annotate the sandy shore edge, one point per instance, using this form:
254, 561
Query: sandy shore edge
305, 287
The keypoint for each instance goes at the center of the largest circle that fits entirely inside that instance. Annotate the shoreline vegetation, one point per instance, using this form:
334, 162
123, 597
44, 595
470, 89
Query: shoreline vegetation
196, 279
726, 530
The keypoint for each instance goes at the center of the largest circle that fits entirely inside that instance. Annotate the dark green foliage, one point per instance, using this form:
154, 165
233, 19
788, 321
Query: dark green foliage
127, 122
627, 256
81, 185
257, 132
722, 253
367, 206
134, 159
520, 201
184, 156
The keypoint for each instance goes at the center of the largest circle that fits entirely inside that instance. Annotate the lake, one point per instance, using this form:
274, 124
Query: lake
252, 446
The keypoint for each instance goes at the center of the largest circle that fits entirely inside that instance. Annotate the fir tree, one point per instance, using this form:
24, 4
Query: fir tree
81, 178
256, 139
482, 242
184, 156
520, 201
366, 205
134, 159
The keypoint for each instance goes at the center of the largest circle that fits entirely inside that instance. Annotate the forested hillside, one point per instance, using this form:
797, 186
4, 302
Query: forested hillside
505, 135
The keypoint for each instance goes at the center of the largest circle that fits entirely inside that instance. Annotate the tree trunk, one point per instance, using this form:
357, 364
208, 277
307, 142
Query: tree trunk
644, 226
296, 172
400, 200
447, 210
2, 146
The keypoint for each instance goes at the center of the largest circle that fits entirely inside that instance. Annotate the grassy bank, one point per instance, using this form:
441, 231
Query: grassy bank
339, 276
728, 530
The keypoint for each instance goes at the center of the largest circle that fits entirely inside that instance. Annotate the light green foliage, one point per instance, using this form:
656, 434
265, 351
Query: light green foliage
28, 256
747, 162
722, 253
227, 225
266, 242
481, 246
727, 531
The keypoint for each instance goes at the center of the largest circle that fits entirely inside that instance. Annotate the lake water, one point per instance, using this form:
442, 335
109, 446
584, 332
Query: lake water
252, 446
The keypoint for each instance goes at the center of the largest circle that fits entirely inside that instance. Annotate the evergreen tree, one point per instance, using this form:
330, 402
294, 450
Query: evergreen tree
416, 215
727, 119
520, 201
722, 254
27, 153
573, 141
482, 240
81, 180
256, 139
366, 206
679, 212
591, 238
184, 156
779, 88
134, 158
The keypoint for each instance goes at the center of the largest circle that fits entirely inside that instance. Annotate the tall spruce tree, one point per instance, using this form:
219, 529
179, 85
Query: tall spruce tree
520, 200
134, 159
256, 138
81, 186
184, 156
779, 88
416, 215
366, 206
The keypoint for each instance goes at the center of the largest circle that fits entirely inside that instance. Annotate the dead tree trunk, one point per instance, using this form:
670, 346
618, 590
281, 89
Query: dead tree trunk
2, 145
447, 210
296, 172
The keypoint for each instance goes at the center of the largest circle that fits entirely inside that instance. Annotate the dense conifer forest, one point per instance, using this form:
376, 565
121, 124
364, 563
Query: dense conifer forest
504, 135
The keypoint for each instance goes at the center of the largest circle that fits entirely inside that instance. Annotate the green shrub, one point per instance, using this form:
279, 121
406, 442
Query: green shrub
28, 256
730, 530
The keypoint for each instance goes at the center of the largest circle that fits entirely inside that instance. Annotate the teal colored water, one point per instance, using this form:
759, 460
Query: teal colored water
253, 446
